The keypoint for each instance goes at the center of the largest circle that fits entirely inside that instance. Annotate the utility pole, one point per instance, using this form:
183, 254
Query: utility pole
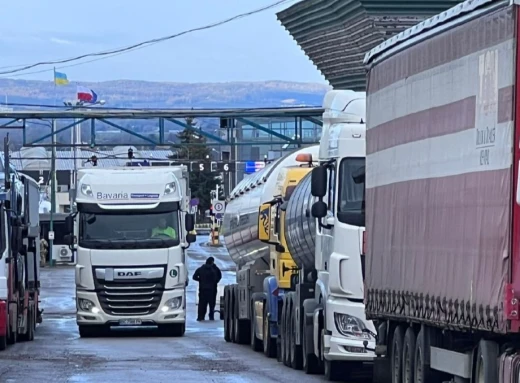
53, 191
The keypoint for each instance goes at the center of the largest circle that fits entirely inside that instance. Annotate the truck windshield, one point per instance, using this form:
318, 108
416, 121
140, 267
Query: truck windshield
136, 230
351, 204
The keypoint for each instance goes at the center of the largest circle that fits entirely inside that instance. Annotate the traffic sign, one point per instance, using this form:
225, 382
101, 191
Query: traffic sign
218, 207
51, 235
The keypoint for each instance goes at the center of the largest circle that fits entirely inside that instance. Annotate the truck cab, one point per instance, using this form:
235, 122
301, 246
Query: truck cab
338, 184
134, 229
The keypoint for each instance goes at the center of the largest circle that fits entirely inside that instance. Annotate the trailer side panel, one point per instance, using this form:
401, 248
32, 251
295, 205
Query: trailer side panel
439, 176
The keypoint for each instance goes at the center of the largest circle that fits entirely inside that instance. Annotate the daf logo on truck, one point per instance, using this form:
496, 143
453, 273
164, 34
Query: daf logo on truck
128, 274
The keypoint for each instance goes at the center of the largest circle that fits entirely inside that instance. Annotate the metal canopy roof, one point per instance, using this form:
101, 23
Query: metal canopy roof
336, 34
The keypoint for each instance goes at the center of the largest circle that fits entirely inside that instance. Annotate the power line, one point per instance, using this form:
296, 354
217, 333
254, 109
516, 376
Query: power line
146, 43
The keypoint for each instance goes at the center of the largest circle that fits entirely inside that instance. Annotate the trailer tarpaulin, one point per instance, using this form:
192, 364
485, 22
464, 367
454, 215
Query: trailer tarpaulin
439, 169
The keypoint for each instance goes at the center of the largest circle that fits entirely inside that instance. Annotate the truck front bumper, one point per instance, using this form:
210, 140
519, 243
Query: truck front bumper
160, 316
339, 347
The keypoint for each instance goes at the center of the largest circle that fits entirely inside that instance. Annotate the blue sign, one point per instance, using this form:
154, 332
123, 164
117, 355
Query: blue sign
254, 166
194, 202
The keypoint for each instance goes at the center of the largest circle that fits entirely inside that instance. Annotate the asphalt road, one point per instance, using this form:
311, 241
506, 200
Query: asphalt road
58, 354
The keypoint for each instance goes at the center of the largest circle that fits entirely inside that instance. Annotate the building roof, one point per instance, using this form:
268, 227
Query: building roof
336, 34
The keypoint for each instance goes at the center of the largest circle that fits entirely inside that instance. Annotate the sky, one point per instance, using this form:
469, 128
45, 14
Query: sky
256, 48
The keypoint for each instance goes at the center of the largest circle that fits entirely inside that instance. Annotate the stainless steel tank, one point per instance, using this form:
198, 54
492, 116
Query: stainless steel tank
300, 226
240, 222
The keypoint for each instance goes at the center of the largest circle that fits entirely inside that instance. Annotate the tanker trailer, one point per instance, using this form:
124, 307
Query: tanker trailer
257, 260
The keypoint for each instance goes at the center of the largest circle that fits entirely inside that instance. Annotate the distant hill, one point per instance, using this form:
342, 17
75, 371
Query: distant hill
144, 94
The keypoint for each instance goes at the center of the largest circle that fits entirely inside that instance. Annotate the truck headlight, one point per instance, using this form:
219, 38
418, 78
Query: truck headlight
350, 326
86, 190
172, 304
86, 305
170, 188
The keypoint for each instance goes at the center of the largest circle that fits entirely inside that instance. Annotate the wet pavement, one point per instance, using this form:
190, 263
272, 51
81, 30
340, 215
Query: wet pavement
58, 354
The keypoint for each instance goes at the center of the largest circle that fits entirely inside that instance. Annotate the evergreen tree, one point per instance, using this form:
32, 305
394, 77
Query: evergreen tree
201, 183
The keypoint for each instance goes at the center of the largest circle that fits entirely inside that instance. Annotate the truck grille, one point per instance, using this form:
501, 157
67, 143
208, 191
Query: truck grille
132, 297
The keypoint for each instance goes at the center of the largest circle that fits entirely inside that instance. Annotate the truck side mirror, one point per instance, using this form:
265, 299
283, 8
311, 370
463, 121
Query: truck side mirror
69, 224
319, 210
319, 182
190, 238
68, 239
189, 222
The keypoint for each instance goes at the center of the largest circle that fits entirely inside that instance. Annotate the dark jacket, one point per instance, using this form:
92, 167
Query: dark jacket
208, 277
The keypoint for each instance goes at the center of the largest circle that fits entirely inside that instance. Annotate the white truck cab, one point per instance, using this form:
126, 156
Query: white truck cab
339, 185
133, 232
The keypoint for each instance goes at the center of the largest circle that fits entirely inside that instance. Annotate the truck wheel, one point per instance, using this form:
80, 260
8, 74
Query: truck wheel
255, 343
397, 355
173, 329
286, 332
296, 350
29, 330
227, 330
281, 338
310, 362
332, 370
486, 369
268, 342
408, 367
423, 372
91, 331
12, 334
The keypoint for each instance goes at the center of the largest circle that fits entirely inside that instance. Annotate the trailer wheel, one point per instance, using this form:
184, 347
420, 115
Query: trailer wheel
296, 350
29, 327
408, 367
268, 343
397, 355
227, 330
256, 344
231, 310
486, 368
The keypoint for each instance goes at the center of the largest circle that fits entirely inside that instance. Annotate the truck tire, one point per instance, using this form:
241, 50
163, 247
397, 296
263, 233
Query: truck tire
255, 343
12, 334
174, 329
269, 343
29, 330
332, 370
227, 322
241, 332
423, 372
286, 341
486, 366
92, 331
310, 363
396, 354
408, 367
296, 350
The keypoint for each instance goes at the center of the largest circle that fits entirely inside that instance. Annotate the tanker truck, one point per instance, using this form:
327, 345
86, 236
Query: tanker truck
263, 271
443, 197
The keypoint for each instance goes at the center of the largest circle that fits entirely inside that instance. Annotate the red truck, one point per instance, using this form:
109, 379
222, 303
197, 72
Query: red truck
443, 198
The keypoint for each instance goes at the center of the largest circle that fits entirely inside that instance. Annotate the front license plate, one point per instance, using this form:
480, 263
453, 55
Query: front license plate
129, 322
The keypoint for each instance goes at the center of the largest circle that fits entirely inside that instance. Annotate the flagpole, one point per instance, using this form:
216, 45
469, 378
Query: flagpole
53, 175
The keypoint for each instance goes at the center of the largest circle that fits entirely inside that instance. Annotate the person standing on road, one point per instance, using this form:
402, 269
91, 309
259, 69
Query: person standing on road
208, 276
44, 246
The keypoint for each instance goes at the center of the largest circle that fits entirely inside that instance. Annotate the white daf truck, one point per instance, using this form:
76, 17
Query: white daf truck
134, 229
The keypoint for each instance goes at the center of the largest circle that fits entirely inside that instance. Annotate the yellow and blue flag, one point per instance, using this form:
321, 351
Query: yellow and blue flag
60, 78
